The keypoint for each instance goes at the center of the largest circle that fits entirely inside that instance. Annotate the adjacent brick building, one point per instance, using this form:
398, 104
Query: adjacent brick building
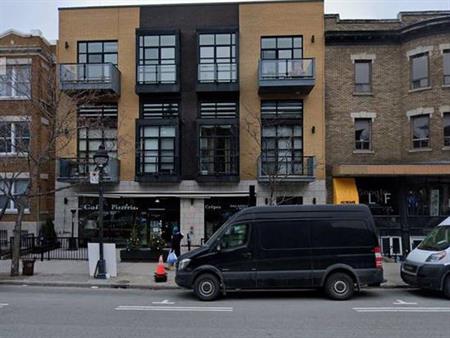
388, 121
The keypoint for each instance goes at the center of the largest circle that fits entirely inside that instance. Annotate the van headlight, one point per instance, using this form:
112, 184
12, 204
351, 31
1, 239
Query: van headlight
436, 257
183, 264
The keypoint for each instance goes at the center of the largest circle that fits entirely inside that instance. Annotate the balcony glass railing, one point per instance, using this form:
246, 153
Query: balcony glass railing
286, 69
79, 169
157, 74
217, 72
88, 73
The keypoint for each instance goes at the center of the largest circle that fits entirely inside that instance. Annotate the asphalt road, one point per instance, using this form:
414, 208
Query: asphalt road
90, 313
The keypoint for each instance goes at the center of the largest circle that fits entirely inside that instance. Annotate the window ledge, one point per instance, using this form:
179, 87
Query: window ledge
362, 94
14, 98
15, 211
13, 154
446, 148
418, 150
363, 152
419, 89
446, 86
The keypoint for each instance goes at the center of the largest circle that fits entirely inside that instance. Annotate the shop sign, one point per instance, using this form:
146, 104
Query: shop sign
114, 207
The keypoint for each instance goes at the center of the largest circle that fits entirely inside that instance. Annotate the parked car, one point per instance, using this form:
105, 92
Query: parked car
428, 265
332, 247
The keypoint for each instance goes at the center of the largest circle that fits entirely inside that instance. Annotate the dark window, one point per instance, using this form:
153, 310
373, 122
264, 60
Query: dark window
345, 233
282, 137
218, 150
363, 76
12, 187
419, 71
446, 60
14, 137
160, 110
447, 129
157, 149
277, 235
218, 110
97, 124
363, 134
15, 80
420, 131
97, 52
217, 57
235, 236
157, 59
281, 48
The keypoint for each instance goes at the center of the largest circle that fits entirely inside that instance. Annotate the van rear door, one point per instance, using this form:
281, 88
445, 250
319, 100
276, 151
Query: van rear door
283, 254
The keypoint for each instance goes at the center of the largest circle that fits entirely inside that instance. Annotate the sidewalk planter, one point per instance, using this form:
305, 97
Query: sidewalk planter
142, 255
28, 266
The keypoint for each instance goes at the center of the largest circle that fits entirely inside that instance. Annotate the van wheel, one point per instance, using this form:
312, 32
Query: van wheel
339, 286
207, 287
447, 287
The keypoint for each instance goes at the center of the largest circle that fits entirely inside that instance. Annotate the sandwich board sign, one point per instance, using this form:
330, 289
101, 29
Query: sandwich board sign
93, 177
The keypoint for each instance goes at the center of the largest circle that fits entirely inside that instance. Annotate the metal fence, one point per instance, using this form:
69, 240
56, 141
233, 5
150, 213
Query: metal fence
60, 248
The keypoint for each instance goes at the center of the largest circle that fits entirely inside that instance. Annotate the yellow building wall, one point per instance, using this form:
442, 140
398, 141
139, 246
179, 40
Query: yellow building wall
276, 19
107, 24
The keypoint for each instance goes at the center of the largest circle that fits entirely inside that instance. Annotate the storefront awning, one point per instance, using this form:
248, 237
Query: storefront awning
345, 191
361, 170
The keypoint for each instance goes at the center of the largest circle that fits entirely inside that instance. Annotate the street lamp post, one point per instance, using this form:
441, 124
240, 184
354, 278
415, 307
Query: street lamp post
101, 160
72, 240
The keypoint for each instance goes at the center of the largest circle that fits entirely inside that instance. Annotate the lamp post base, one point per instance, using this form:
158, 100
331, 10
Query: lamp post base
100, 269
73, 244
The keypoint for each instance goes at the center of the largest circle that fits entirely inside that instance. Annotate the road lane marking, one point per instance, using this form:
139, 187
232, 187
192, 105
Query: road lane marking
164, 302
174, 308
402, 302
401, 309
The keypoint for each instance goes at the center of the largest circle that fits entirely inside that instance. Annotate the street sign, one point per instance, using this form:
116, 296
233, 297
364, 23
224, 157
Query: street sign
93, 177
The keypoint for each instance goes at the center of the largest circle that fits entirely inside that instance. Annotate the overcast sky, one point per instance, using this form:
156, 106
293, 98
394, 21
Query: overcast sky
24, 15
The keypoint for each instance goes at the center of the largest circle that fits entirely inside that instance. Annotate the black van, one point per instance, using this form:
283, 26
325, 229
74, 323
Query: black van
334, 247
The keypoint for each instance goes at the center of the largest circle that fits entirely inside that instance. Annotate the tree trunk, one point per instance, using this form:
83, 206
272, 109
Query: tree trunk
15, 259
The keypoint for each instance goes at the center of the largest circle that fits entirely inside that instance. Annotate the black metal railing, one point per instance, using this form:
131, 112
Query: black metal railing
88, 73
217, 72
79, 169
285, 168
218, 165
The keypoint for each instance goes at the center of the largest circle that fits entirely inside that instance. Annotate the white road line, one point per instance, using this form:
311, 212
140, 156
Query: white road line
164, 302
402, 309
173, 308
402, 302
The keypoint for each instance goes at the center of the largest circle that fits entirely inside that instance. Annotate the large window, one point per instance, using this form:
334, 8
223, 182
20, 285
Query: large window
281, 48
420, 71
420, 132
447, 129
97, 124
14, 187
363, 131
363, 76
14, 137
282, 137
15, 78
446, 60
97, 52
157, 59
217, 62
157, 149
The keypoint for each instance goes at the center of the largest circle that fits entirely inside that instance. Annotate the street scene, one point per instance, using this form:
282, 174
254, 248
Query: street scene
224, 168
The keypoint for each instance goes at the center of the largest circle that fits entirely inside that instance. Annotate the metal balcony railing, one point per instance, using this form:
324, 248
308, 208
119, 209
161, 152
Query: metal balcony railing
286, 69
156, 74
78, 170
275, 169
156, 165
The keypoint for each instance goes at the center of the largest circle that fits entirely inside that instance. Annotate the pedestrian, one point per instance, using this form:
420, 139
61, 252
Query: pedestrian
190, 237
177, 236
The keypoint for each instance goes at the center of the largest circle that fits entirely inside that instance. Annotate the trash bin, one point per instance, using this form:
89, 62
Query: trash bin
28, 266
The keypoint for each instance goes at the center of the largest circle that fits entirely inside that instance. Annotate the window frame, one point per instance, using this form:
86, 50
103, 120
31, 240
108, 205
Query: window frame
428, 139
12, 82
103, 53
446, 120
278, 49
445, 77
12, 207
411, 71
356, 84
13, 137
355, 144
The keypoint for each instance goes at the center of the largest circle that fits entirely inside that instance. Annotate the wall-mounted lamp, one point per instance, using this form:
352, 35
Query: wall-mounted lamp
66, 45
313, 129
313, 38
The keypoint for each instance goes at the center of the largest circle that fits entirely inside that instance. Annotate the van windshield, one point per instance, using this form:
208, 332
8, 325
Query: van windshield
437, 240
213, 238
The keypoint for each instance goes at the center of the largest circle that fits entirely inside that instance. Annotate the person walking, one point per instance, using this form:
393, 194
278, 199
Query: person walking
190, 238
177, 236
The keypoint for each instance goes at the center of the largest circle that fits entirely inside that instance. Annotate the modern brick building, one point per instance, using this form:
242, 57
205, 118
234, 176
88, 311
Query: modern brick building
201, 104
388, 121
26, 66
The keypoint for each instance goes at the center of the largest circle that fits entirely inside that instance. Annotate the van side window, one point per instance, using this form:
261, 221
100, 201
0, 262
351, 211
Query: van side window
235, 236
334, 233
276, 235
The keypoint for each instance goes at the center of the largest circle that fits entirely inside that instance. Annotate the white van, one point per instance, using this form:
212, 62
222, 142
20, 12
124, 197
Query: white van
428, 265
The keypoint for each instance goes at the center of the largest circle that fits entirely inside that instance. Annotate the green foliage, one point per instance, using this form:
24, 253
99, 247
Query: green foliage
48, 230
156, 242
134, 241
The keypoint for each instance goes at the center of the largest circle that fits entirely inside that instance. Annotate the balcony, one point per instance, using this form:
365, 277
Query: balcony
213, 77
73, 170
157, 79
154, 169
273, 169
223, 169
285, 76
97, 77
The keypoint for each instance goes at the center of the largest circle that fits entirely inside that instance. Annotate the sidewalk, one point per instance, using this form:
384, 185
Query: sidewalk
129, 275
